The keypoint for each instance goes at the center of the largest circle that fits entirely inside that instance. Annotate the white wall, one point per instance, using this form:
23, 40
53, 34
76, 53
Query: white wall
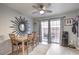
36, 26
7, 14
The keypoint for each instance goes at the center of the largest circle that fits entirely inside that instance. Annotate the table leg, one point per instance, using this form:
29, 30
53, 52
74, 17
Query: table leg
23, 47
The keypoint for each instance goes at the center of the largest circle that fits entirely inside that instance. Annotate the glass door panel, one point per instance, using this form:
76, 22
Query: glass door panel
44, 30
55, 31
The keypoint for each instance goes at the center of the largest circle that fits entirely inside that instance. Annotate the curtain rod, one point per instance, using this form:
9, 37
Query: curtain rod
58, 17
54, 18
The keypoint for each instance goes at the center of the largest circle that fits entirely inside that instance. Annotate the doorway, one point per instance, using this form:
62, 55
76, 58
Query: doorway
50, 31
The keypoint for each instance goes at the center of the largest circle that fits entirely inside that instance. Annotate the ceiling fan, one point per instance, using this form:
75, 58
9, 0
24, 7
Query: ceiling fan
41, 8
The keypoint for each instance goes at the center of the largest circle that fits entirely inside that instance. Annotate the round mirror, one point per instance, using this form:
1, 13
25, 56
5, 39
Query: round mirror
22, 27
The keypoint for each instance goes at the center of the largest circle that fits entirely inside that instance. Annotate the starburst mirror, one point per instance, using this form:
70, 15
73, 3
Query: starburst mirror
20, 26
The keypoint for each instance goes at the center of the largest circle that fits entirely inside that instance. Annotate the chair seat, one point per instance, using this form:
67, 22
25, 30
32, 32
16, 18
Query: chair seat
25, 43
19, 43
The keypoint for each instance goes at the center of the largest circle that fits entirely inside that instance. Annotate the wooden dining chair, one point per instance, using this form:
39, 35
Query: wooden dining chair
30, 40
35, 38
25, 42
14, 43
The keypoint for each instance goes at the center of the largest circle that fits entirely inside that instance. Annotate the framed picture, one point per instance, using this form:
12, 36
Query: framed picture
69, 21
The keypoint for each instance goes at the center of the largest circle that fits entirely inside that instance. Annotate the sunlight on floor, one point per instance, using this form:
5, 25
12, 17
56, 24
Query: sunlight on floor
43, 43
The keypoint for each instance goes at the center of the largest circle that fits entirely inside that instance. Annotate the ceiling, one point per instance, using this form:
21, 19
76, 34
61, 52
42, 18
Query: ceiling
57, 8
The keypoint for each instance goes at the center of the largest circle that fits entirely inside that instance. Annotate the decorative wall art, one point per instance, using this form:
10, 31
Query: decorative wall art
74, 26
68, 22
20, 26
77, 20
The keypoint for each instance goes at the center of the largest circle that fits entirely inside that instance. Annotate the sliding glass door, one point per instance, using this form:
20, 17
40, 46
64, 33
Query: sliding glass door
55, 31
44, 31
50, 31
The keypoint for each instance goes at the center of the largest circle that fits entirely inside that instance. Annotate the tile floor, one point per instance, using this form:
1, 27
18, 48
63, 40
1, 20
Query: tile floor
56, 49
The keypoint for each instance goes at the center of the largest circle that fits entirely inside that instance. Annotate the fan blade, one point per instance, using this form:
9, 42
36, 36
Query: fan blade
36, 7
48, 11
35, 12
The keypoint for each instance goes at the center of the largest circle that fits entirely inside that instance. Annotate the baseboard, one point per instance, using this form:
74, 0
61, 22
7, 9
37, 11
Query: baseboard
8, 53
77, 48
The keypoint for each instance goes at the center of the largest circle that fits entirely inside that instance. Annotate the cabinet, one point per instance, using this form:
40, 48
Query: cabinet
65, 38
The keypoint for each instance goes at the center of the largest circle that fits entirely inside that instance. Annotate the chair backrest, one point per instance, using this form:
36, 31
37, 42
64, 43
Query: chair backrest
34, 35
30, 37
12, 37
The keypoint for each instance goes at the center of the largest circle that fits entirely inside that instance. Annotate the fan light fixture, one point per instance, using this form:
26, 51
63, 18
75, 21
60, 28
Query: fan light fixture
41, 12
41, 8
